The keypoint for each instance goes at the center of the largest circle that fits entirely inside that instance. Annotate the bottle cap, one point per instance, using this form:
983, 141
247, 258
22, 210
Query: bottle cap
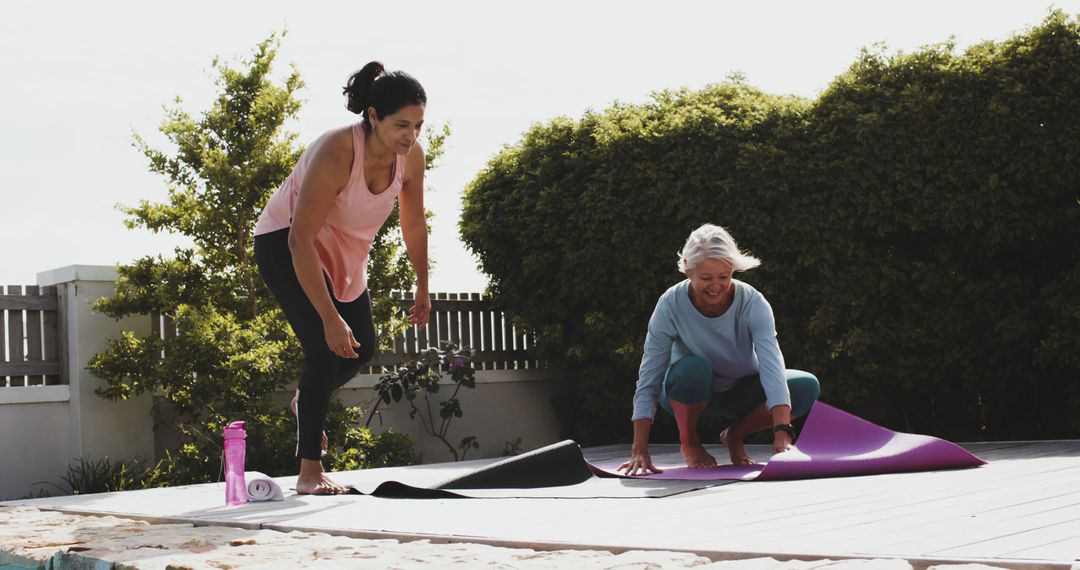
235, 430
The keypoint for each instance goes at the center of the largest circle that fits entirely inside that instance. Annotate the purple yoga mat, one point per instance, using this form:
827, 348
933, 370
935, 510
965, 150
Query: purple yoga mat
834, 443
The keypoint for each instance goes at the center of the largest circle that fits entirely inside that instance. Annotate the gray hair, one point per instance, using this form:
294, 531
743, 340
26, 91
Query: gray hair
714, 242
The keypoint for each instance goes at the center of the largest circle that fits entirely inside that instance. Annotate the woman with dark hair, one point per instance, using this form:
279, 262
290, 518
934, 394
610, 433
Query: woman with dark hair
313, 238
711, 350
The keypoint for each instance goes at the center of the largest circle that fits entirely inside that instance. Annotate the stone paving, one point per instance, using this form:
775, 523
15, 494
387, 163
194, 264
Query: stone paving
34, 538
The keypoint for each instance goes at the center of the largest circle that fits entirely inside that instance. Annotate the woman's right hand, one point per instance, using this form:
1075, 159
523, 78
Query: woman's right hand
640, 464
339, 337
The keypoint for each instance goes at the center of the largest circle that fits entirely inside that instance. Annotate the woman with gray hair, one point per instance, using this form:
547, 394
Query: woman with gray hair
711, 350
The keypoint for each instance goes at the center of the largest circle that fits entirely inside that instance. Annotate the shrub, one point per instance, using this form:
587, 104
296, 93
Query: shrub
104, 475
417, 382
917, 223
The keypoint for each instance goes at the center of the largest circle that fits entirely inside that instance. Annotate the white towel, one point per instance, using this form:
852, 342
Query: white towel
262, 488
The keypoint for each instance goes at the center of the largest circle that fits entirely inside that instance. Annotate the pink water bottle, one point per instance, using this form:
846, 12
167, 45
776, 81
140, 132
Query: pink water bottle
235, 447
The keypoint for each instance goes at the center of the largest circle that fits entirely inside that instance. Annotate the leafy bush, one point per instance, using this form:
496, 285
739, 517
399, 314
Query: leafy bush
104, 475
918, 224
359, 448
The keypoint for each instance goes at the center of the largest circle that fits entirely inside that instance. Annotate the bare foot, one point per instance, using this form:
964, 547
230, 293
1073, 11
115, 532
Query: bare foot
292, 408
735, 449
312, 480
320, 486
696, 457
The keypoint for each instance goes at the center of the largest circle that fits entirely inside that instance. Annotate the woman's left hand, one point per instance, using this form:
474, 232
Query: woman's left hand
421, 309
781, 441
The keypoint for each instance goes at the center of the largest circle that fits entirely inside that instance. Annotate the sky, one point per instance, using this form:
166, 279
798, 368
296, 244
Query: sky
79, 78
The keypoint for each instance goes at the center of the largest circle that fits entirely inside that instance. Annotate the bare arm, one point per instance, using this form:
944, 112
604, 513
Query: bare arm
327, 174
415, 231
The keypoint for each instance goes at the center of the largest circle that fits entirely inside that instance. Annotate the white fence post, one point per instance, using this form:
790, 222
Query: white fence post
98, 427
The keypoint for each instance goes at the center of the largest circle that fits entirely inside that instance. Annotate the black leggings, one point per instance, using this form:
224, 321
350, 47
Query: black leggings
323, 371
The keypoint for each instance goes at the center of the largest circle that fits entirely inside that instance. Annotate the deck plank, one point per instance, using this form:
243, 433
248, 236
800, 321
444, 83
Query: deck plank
999, 537
1064, 549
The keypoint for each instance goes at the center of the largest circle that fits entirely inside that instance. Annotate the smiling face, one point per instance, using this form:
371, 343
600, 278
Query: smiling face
398, 131
711, 288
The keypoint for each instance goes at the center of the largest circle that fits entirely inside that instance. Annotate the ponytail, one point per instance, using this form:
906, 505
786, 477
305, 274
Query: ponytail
358, 88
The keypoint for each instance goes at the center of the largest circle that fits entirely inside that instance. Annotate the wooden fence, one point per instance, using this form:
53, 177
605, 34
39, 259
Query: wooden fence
466, 319
31, 325
470, 321
30, 337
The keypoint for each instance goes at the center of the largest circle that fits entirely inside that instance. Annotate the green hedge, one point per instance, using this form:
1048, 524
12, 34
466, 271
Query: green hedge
918, 223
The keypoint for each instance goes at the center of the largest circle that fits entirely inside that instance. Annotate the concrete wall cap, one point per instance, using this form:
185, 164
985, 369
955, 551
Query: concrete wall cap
72, 273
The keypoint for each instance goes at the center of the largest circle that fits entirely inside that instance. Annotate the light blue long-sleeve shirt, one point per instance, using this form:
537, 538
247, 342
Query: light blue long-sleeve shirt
738, 343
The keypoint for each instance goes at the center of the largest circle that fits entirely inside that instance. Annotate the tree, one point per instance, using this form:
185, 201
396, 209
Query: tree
226, 347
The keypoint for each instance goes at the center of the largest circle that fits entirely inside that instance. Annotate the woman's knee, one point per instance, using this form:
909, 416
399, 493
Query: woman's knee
325, 368
805, 389
350, 367
365, 353
320, 368
689, 380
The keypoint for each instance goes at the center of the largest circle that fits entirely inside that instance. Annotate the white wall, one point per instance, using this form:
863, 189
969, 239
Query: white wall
504, 405
99, 427
34, 444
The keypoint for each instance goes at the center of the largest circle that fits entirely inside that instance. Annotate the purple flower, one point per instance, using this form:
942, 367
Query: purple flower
456, 363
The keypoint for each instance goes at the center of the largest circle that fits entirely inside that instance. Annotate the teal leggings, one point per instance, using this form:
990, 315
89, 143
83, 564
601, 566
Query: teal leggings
689, 380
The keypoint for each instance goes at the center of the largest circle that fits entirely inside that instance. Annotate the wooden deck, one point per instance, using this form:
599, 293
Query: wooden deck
1022, 510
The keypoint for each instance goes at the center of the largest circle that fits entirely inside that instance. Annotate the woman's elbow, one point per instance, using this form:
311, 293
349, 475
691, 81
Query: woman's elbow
299, 240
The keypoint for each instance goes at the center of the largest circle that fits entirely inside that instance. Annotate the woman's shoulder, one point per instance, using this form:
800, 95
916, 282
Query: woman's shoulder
749, 298
675, 289
670, 297
415, 163
748, 290
343, 139
336, 144
331, 157
416, 152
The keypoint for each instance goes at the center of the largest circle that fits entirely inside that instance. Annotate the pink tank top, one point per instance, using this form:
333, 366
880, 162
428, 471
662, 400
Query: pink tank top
355, 217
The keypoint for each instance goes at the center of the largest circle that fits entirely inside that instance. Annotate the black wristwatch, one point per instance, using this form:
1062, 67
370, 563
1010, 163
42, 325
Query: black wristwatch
790, 429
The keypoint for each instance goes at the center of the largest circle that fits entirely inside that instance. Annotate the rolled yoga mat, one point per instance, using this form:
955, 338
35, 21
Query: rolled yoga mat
261, 487
557, 465
833, 443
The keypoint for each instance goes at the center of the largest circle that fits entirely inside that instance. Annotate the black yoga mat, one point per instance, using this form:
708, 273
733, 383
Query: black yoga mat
556, 471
